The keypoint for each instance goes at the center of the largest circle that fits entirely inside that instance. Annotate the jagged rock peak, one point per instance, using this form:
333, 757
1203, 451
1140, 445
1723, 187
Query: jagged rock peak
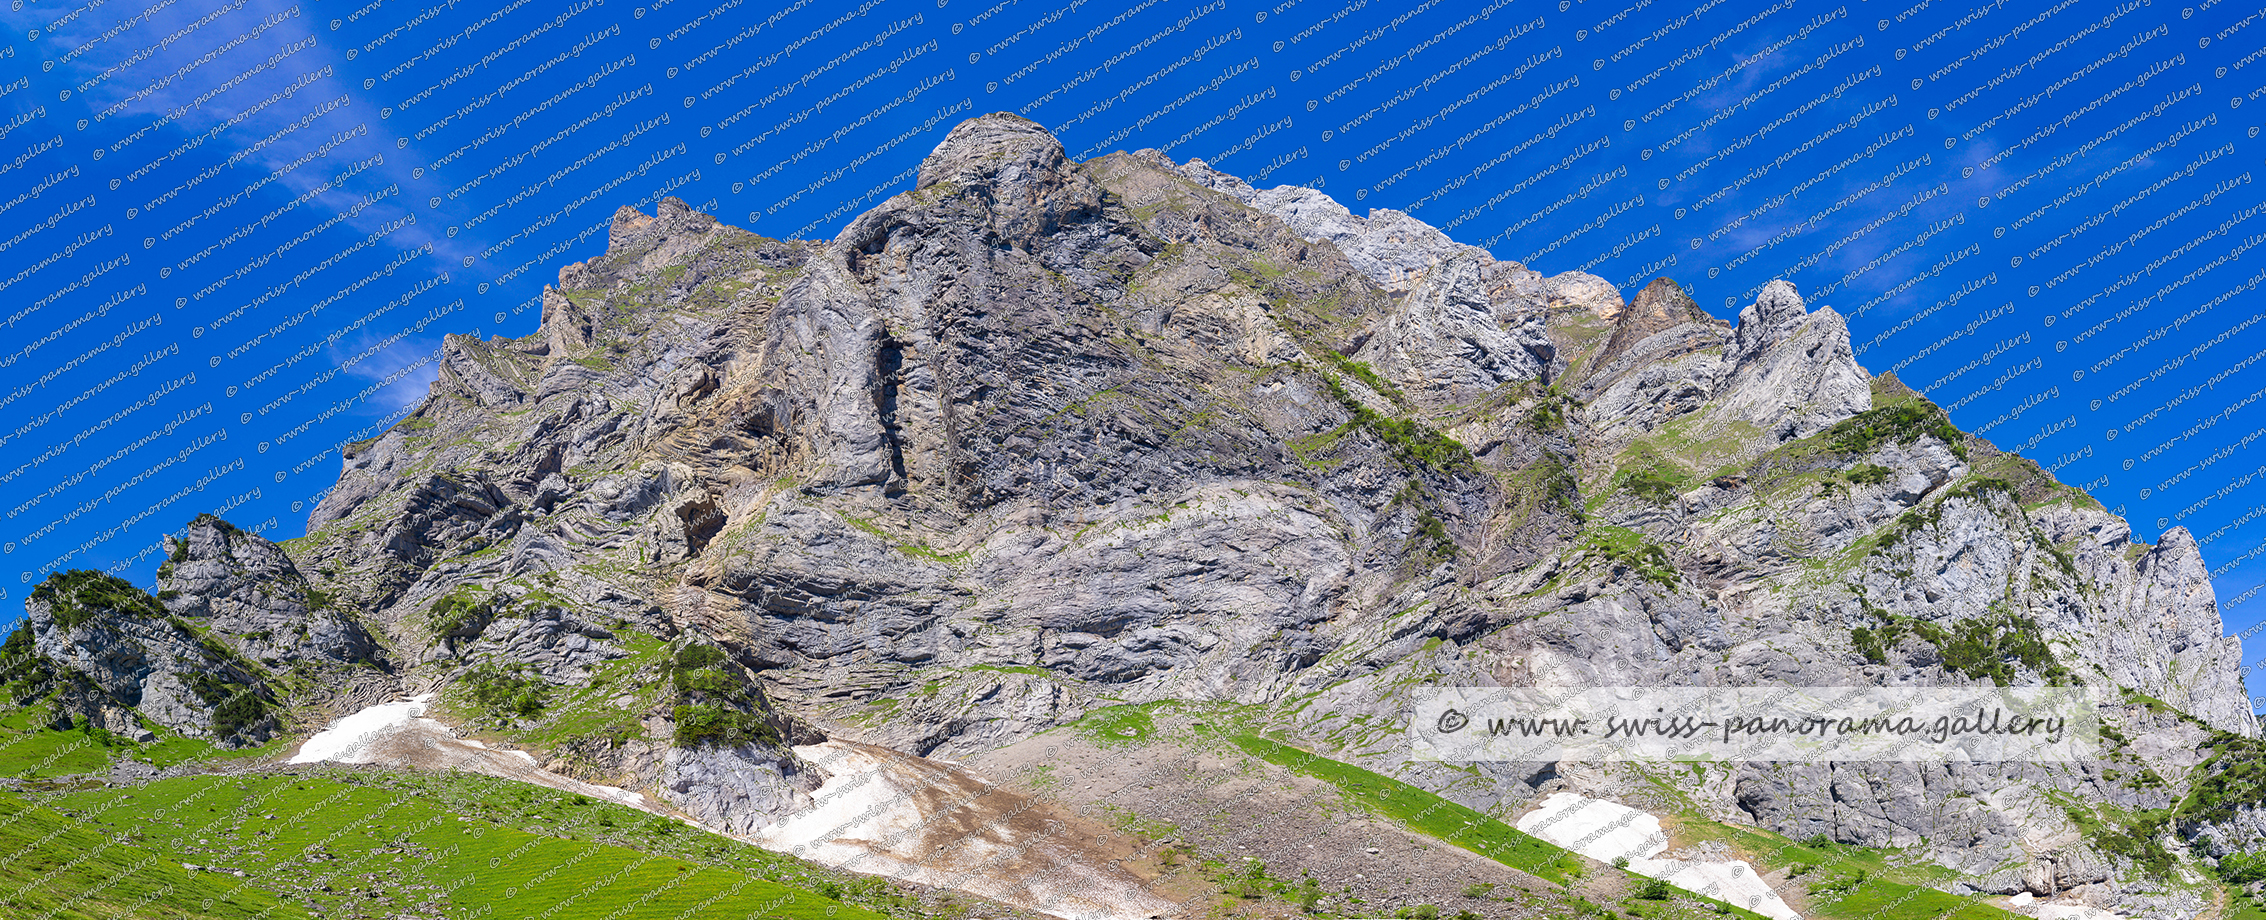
1661, 306
627, 220
1389, 246
1000, 147
1775, 312
1000, 419
671, 217
637, 244
1008, 168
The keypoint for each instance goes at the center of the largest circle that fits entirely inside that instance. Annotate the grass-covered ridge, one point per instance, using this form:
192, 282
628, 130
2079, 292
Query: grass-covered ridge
79, 595
1422, 811
1900, 422
242, 705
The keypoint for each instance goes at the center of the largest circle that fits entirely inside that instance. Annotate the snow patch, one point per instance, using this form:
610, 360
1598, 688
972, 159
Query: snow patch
927, 821
397, 734
1606, 831
346, 740
2066, 912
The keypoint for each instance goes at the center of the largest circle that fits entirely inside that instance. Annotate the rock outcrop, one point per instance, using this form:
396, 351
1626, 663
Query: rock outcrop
243, 590
105, 652
1661, 306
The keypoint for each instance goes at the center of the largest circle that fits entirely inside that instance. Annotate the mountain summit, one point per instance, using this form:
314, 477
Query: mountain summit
1042, 442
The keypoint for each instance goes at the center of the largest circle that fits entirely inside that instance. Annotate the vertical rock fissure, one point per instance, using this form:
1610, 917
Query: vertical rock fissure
959, 474
889, 362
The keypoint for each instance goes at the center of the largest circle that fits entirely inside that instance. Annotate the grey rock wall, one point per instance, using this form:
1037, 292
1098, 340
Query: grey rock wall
1039, 435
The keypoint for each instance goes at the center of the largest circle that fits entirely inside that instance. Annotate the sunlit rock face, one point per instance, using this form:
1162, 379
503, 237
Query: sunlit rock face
1042, 435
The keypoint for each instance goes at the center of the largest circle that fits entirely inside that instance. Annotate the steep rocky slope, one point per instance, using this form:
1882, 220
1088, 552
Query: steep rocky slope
1040, 437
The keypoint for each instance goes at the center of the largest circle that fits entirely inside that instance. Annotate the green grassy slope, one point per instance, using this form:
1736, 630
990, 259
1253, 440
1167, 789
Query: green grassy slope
59, 866
352, 842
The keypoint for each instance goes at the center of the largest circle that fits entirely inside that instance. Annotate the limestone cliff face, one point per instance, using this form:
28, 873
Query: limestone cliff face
1040, 434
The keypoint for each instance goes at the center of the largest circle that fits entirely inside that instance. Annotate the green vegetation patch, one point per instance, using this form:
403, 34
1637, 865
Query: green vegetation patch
514, 691
2231, 780
459, 613
1118, 725
1544, 486
715, 705
1432, 540
1870, 474
1413, 442
2242, 905
1310, 448
1995, 646
2136, 836
1626, 547
709, 725
236, 705
1547, 416
698, 669
1646, 472
334, 840
65, 868
595, 715
1360, 370
2239, 868
1652, 485
1901, 422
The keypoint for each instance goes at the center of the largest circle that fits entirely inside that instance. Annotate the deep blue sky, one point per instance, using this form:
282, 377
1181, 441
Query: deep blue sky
232, 234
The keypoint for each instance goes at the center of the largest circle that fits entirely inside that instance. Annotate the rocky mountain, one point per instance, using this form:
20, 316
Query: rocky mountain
1040, 438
